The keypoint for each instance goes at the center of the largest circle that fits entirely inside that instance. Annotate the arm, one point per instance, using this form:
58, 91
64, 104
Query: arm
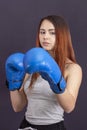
15, 74
39, 60
66, 88
18, 98
74, 77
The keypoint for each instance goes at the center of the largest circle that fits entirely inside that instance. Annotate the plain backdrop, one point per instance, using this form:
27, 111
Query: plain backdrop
19, 20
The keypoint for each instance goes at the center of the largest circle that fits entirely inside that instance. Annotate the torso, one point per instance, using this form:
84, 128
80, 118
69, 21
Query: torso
39, 100
43, 107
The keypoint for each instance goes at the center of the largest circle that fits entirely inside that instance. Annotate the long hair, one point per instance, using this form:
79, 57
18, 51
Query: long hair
63, 48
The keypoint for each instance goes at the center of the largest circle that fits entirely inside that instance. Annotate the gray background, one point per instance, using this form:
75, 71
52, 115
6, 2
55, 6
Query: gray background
18, 26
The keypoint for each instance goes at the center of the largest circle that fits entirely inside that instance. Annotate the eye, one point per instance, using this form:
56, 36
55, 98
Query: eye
42, 32
52, 33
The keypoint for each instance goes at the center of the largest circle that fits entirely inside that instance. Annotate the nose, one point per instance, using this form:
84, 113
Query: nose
46, 35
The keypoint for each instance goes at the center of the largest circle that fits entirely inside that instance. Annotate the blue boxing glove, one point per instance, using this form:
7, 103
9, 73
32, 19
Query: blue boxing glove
14, 71
39, 60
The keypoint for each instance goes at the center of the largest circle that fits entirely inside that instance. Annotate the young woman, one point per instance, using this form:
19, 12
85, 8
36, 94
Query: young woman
45, 108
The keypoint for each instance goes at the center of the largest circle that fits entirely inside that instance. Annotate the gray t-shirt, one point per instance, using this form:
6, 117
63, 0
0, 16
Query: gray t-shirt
43, 107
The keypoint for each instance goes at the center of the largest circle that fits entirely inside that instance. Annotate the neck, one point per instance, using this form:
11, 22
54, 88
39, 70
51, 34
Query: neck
52, 53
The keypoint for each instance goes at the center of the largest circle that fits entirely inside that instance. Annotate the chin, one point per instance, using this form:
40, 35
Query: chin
47, 48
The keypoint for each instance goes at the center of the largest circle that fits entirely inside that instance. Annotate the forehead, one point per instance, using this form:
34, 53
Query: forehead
47, 24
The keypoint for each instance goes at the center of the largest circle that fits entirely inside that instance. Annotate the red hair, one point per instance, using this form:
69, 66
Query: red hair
63, 48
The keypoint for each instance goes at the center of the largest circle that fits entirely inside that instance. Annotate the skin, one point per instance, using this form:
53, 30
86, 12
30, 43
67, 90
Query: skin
72, 75
47, 35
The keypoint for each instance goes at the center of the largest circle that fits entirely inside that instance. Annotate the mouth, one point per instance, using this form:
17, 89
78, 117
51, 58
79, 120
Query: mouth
45, 43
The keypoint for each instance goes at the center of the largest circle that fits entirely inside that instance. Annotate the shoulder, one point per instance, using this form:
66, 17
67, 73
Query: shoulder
73, 77
73, 69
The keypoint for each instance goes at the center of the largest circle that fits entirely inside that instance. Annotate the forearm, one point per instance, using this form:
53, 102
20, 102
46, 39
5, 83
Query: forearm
18, 100
66, 100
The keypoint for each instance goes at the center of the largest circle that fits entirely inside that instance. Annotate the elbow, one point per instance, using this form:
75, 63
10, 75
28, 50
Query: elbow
69, 109
16, 108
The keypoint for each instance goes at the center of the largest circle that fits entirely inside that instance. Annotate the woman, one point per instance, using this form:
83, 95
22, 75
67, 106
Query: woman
46, 112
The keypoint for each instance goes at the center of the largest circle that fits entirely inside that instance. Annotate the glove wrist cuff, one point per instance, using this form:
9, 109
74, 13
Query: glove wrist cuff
13, 85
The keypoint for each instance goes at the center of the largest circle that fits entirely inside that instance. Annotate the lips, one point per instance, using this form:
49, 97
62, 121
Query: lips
45, 43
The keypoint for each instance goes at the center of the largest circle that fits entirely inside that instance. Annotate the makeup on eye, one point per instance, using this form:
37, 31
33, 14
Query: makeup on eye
50, 31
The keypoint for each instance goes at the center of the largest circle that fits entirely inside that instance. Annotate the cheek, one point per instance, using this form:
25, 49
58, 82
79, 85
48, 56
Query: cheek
53, 41
40, 38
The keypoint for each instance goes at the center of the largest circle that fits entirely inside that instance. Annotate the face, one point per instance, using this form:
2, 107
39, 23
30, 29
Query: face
47, 35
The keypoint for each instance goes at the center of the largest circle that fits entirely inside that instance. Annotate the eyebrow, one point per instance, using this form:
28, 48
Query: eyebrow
48, 29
